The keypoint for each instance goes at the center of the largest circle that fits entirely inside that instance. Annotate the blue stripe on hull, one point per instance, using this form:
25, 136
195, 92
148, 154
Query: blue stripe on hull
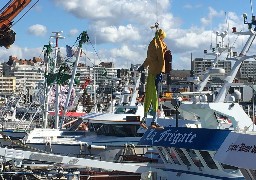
203, 175
187, 138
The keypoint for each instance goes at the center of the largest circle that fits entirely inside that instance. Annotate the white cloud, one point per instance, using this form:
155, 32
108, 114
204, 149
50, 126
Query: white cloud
121, 29
124, 56
192, 6
192, 40
73, 32
126, 24
86, 9
115, 12
20, 53
119, 34
212, 13
124, 52
37, 30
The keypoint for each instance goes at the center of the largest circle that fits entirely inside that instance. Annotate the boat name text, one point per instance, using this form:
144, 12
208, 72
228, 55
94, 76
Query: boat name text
171, 136
241, 147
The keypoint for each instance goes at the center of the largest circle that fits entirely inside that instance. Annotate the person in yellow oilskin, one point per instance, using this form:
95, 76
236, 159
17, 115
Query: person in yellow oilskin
155, 63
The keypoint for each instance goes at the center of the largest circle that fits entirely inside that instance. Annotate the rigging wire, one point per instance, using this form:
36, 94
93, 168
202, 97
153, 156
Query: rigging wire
156, 11
25, 13
236, 39
95, 50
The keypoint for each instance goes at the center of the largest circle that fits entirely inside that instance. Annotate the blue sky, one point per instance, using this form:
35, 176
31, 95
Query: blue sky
120, 29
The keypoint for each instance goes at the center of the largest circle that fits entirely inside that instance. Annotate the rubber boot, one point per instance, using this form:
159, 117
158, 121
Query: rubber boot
143, 122
154, 123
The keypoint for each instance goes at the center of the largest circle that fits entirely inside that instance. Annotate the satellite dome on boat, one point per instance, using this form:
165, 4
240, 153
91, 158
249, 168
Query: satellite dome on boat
194, 79
217, 71
237, 94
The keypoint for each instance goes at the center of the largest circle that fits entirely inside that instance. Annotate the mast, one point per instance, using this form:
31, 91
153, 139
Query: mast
83, 38
94, 81
71, 85
220, 48
238, 59
57, 36
46, 89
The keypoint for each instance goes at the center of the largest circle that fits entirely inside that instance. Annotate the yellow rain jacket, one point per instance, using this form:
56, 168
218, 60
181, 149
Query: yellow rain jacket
156, 64
155, 57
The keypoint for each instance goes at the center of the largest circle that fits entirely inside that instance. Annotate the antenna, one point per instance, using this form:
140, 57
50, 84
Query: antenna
211, 35
227, 22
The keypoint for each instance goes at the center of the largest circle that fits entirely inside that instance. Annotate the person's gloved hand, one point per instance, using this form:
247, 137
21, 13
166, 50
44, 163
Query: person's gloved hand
159, 78
141, 68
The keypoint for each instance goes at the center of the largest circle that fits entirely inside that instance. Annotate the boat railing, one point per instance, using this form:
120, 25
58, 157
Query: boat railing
13, 125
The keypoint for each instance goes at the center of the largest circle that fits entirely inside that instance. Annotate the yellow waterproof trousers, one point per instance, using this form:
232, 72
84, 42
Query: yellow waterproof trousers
151, 97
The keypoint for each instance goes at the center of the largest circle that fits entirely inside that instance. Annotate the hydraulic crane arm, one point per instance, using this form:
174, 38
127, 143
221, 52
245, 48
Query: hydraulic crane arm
7, 14
11, 10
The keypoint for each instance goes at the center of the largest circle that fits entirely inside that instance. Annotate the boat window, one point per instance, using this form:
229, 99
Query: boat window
173, 156
120, 130
194, 157
182, 156
208, 159
120, 111
226, 166
125, 110
164, 155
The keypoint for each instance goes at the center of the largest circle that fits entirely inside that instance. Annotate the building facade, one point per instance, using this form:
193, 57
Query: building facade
248, 70
27, 73
7, 85
200, 65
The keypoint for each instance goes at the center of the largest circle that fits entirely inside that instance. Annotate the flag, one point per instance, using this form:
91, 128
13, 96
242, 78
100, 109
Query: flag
69, 51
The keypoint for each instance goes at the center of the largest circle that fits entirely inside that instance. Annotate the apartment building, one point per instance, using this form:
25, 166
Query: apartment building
84, 71
248, 70
1, 69
200, 65
7, 85
27, 73
101, 72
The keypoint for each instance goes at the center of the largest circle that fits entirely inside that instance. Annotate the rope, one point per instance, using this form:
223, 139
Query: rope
156, 11
25, 13
88, 58
95, 50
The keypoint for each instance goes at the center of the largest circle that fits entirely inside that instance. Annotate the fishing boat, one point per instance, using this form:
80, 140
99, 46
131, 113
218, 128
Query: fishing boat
108, 136
188, 153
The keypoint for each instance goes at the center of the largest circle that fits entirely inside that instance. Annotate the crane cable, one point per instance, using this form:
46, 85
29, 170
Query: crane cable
156, 11
25, 13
